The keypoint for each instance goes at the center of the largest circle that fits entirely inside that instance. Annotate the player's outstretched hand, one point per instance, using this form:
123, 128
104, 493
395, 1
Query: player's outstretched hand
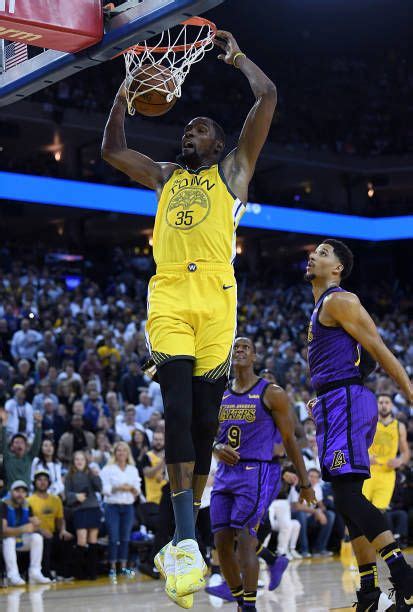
226, 454
307, 496
225, 41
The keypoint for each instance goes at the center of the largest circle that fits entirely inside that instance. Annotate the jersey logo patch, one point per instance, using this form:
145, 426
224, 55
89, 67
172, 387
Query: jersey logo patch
189, 207
338, 460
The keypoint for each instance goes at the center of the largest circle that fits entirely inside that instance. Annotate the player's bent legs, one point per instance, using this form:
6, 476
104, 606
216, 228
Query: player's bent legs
365, 519
175, 378
248, 561
352, 504
207, 397
224, 543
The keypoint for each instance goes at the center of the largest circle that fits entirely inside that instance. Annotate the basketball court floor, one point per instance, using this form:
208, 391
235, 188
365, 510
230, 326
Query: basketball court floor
311, 585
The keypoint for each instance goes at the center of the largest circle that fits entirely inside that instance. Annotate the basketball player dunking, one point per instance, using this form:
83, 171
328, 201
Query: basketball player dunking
345, 413
254, 412
390, 440
192, 298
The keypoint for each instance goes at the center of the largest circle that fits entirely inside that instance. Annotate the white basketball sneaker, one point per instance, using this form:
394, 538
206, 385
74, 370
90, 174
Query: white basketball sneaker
189, 567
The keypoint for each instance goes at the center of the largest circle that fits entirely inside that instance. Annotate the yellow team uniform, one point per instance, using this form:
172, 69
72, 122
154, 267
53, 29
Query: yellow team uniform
192, 299
46, 510
379, 488
154, 485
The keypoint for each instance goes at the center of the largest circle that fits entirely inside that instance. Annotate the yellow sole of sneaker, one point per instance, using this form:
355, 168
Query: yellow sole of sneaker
190, 583
186, 602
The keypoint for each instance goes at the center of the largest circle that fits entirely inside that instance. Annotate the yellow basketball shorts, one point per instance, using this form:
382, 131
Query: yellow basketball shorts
379, 488
192, 311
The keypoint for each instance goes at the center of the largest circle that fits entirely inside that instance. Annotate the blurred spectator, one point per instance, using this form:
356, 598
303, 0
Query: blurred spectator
131, 382
94, 410
47, 461
54, 423
48, 348
121, 486
24, 377
81, 486
144, 409
19, 528
45, 393
25, 342
90, 368
18, 455
101, 454
154, 469
78, 439
126, 425
156, 396
107, 350
19, 413
68, 350
317, 519
280, 517
48, 508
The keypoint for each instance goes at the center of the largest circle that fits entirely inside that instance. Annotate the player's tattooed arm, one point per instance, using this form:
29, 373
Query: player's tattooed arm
345, 309
239, 165
115, 151
278, 403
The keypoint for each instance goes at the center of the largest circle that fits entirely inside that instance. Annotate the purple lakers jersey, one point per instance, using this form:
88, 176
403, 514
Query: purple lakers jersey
246, 425
332, 353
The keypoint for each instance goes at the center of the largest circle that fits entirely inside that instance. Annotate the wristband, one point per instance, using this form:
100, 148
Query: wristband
239, 54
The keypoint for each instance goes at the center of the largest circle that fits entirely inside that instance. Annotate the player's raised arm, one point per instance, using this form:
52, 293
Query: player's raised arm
255, 130
277, 401
345, 308
115, 150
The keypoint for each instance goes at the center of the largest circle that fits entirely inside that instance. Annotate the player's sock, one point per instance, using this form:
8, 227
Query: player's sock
250, 600
395, 560
215, 569
238, 593
197, 506
183, 502
368, 577
268, 556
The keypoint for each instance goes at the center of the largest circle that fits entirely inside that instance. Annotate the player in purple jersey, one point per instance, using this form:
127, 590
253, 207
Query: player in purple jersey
345, 413
252, 415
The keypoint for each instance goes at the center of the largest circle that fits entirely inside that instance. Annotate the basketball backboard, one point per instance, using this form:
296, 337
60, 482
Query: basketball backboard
131, 23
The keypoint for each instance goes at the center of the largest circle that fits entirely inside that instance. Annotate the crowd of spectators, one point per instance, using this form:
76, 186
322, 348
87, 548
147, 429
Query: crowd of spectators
355, 111
82, 425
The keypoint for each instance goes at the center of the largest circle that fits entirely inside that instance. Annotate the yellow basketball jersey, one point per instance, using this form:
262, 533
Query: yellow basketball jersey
197, 218
385, 445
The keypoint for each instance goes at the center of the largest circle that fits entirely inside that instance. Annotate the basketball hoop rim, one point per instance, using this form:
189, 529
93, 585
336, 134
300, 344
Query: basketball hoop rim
194, 21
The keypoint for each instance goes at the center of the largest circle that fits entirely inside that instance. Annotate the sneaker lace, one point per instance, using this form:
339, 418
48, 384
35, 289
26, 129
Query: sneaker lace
183, 556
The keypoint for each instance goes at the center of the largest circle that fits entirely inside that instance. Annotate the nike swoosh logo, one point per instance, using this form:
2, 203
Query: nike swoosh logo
176, 494
250, 467
227, 286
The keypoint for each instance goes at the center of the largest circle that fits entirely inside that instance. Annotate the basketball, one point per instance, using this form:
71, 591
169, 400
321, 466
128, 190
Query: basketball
152, 103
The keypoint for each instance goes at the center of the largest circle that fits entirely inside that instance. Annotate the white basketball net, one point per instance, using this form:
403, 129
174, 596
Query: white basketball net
173, 54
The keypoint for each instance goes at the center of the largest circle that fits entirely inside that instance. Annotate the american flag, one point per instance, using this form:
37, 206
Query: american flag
15, 53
